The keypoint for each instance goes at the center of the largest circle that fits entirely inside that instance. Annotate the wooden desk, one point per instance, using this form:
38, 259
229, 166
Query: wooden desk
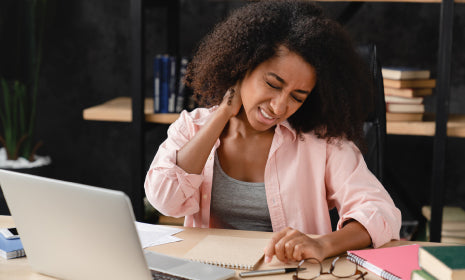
19, 269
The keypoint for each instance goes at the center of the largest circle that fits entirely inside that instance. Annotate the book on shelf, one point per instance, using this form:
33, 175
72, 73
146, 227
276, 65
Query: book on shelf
11, 248
394, 263
423, 83
453, 217
172, 85
403, 100
443, 262
453, 240
421, 274
168, 84
453, 224
404, 117
156, 83
405, 73
408, 92
164, 84
453, 233
405, 108
181, 85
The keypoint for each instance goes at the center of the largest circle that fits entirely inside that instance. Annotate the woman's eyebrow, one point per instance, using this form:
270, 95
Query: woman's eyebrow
276, 77
284, 82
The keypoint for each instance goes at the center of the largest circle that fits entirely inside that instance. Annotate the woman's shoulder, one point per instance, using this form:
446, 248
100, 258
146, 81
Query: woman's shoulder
190, 122
197, 115
331, 144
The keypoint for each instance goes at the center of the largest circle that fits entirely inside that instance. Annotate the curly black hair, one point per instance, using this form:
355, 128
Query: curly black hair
340, 101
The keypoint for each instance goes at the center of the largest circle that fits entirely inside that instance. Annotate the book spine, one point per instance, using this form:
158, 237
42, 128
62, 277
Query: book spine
421, 274
156, 83
13, 254
172, 85
164, 84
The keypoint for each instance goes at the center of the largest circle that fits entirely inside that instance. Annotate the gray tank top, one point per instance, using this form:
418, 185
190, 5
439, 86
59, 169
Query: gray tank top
238, 205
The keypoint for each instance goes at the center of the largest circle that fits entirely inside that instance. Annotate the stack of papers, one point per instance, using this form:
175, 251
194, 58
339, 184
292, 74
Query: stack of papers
153, 235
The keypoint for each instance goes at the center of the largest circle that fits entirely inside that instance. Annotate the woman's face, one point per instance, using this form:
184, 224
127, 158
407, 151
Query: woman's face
276, 89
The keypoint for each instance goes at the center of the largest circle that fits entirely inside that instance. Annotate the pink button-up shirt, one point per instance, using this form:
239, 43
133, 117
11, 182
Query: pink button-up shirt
304, 177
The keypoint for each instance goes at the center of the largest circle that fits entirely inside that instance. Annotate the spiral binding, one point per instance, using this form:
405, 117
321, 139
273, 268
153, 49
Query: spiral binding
361, 262
226, 265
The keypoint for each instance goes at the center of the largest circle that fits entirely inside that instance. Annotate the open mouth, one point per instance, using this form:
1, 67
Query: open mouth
264, 114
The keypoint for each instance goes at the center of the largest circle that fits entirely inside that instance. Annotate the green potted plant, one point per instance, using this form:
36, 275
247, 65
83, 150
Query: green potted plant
19, 87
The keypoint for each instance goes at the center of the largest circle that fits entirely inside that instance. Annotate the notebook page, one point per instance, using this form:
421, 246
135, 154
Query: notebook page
389, 263
228, 251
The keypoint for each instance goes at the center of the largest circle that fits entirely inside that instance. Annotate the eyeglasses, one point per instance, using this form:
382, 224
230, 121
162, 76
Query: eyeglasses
341, 267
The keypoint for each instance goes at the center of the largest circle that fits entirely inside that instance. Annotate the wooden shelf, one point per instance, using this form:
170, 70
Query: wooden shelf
455, 127
120, 110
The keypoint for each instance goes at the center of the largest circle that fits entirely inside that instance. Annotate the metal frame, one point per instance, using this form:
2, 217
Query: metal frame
442, 111
137, 37
138, 93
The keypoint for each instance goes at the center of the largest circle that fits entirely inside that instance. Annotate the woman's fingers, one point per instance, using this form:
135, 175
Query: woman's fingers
283, 245
270, 248
232, 101
292, 245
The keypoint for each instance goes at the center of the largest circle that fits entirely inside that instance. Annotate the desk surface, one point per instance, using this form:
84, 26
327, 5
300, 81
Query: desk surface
15, 269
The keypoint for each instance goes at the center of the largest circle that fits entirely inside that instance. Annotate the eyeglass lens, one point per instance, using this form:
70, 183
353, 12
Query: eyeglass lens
340, 267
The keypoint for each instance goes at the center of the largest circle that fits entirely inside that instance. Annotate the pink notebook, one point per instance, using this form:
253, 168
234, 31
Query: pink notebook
390, 263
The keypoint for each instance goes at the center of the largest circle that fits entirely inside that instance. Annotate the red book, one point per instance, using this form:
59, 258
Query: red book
389, 263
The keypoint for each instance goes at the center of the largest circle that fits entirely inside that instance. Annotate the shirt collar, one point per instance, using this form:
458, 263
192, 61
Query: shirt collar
286, 128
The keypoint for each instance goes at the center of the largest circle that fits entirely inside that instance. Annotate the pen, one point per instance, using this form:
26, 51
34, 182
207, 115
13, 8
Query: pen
268, 272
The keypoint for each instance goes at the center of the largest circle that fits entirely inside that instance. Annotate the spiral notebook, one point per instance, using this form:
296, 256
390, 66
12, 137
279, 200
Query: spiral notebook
393, 263
228, 251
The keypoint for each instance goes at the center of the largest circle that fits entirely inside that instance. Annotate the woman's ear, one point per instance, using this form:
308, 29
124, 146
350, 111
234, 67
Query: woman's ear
237, 87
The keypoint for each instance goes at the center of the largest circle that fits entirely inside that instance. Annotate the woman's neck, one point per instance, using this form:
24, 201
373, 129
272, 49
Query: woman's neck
240, 126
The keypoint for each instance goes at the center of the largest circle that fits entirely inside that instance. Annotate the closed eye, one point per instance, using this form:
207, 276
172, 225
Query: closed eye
297, 99
272, 85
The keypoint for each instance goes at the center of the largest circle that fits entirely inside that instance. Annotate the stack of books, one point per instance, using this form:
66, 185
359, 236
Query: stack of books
405, 89
11, 248
453, 224
440, 262
169, 89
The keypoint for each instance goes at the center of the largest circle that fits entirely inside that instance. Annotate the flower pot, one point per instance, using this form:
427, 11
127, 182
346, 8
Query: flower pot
41, 166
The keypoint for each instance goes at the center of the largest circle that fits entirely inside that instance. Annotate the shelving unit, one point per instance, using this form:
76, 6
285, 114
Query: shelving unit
120, 110
138, 110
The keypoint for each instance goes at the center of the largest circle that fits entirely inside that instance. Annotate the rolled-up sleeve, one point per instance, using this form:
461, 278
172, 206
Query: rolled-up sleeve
358, 195
170, 189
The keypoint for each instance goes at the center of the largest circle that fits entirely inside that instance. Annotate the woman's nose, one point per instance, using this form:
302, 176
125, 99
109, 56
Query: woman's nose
279, 104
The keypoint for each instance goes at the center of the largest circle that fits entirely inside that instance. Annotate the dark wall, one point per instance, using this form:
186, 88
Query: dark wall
86, 62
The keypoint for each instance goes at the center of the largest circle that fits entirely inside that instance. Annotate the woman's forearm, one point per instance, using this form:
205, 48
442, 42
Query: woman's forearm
193, 156
292, 245
352, 236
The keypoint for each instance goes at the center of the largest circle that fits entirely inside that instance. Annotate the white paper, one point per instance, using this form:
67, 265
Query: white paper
152, 235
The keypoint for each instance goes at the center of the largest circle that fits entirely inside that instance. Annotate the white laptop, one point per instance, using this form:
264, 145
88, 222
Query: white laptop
74, 231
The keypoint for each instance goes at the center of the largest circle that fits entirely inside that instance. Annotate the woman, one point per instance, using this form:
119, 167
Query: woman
285, 96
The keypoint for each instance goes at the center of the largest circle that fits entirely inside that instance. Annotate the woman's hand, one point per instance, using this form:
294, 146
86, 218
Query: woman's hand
232, 102
292, 245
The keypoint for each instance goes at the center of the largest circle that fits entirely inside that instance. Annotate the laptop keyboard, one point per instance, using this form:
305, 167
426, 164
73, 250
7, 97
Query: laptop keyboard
157, 275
